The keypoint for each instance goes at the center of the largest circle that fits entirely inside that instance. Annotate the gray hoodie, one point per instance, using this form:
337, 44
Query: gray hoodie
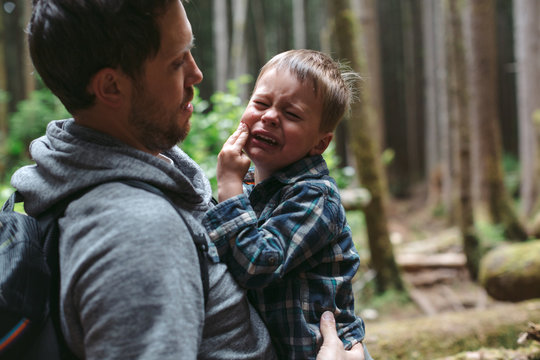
130, 281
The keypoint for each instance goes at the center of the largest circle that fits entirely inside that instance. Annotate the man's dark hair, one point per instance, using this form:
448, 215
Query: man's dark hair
71, 40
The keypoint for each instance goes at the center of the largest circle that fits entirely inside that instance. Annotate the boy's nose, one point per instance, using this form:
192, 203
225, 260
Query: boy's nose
270, 117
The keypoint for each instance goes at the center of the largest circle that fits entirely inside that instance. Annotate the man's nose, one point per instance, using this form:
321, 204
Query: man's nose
195, 74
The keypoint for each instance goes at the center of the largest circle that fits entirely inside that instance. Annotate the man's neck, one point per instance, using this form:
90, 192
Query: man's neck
115, 126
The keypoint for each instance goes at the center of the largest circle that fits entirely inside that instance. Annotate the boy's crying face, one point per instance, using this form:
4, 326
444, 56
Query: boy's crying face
284, 117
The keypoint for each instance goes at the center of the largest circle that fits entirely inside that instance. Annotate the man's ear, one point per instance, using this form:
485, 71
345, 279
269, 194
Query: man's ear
324, 141
109, 87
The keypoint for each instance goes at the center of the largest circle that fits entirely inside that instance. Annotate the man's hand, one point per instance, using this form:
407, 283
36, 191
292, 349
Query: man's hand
332, 347
232, 164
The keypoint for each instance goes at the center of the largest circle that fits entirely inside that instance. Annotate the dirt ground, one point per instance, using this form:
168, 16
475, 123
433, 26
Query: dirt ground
430, 254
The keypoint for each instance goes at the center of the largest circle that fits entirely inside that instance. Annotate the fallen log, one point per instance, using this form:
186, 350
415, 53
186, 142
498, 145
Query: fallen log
355, 199
440, 335
416, 262
523, 353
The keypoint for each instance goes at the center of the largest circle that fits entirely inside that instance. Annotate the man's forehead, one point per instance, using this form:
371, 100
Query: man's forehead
176, 34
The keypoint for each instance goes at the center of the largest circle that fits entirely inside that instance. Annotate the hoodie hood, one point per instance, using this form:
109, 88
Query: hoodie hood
71, 157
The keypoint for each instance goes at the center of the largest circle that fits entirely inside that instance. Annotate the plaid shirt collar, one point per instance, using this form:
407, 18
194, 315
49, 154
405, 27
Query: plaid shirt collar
305, 168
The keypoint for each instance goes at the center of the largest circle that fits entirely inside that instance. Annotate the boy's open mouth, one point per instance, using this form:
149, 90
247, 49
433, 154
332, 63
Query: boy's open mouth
265, 139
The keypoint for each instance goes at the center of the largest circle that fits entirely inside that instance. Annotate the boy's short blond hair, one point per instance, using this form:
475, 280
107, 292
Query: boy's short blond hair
332, 82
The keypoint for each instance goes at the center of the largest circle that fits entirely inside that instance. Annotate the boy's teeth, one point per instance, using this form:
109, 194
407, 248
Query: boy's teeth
266, 139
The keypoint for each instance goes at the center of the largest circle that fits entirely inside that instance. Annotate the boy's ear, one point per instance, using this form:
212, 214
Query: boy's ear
324, 141
108, 85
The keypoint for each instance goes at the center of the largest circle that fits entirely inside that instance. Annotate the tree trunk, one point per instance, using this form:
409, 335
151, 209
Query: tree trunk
506, 71
221, 44
527, 45
366, 13
369, 167
413, 64
455, 107
299, 24
459, 96
259, 23
437, 123
431, 111
3, 100
238, 48
443, 110
395, 107
484, 90
16, 56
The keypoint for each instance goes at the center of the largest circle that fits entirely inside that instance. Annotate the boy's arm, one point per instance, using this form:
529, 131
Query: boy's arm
232, 164
308, 219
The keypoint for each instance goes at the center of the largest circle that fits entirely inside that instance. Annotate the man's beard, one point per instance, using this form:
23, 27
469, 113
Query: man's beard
156, 129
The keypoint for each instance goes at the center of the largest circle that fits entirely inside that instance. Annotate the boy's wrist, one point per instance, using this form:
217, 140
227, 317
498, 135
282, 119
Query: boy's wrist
228, 189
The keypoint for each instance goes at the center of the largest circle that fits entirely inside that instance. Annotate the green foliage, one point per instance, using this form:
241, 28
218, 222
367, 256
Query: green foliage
511, 174
388, 156
211, 124
5, 192
390, 297
27, 123
490, 234
31, 119
343, 176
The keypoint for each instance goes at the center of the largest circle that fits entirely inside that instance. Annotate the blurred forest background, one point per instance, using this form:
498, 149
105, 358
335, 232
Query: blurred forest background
438, 161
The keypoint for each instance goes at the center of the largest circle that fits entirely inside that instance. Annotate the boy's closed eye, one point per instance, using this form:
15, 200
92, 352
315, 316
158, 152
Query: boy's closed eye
293, 115
260, 103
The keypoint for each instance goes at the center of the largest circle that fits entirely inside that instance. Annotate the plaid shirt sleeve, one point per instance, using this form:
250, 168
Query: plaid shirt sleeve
286, 237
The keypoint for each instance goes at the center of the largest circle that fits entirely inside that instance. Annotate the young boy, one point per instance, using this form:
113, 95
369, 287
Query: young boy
283, 233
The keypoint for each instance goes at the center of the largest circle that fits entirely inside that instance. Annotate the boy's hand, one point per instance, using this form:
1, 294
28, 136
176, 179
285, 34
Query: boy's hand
332, 347
232, 164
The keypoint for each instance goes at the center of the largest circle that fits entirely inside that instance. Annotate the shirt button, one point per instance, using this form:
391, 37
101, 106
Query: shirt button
271, 260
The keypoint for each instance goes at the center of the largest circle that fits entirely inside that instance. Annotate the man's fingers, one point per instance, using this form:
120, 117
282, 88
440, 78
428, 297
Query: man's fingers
332, 347
328, 328
356, 352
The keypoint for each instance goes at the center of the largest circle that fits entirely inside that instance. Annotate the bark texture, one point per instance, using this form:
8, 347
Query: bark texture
484, 91
367, 159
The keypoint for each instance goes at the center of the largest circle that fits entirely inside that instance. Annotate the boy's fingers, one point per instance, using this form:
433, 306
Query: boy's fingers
242, 129
241, 140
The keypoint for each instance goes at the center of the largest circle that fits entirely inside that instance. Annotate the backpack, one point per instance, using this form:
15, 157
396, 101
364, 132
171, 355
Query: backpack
30, 279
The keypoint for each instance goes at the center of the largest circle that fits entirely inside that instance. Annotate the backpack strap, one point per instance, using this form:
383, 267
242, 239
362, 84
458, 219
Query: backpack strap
198, 239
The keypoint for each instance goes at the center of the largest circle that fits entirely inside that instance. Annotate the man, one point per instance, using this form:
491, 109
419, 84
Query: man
130, 279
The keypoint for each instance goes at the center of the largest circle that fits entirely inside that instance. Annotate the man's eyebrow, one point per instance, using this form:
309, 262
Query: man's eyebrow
190, 45
181, 51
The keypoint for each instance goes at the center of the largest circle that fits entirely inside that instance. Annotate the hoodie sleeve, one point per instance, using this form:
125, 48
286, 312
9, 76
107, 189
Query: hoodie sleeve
131, 283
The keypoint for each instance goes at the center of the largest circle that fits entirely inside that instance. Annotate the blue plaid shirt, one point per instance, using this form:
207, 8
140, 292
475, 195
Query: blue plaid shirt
289, 244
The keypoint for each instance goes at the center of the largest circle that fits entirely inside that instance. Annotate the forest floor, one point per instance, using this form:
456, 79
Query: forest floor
430, 255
